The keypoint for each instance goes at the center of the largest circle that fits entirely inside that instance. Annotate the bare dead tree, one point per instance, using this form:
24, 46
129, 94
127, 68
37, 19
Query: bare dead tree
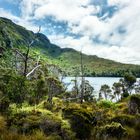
25, 58
37, 66
82, 78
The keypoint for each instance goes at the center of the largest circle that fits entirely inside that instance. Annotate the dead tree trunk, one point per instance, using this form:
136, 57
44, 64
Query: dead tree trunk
82, 78
26, 61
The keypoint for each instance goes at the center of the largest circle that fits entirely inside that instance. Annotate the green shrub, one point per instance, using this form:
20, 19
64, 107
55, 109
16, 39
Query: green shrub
50, 126
81, 121
26, 120
38, 135
122, 107
54, 137
106, 104
13, 136
124, 119
125, 95
112, 130
4, 104
2, 124
66, 132
134, 104
135, 98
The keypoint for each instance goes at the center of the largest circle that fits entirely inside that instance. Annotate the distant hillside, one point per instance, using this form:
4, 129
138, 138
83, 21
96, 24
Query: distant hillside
12, 36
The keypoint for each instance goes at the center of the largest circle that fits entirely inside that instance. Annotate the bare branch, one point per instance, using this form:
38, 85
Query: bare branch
32, 70
18, 52
30, 44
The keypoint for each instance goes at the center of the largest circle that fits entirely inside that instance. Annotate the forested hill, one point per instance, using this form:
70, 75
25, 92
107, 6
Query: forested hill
15, 36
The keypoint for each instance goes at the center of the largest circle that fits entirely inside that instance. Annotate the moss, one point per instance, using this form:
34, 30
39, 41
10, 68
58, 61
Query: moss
111, 130
57, 104
83, 113
124, 119
27, 120
121, 105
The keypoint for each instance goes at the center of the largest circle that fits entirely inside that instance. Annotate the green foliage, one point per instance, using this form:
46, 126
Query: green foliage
70, 121
88, 91
27, 120
135, 98
129, 79
81, 121
54, 137
134, 104
2, 124
37, 135
4, 102
117, 87
105, 91
124, 120
50, 126
106, 104
13, 87
33, 106
112, 130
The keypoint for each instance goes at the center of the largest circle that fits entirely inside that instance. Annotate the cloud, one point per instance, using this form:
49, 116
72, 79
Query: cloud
71, 42
119, 2
116, 53
117, 35
27, 24
64, 11
69, 10
89, 25
126, 43
114, 37
108, 29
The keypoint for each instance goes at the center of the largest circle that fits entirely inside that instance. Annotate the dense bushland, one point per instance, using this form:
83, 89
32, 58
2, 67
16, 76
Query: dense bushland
35, 104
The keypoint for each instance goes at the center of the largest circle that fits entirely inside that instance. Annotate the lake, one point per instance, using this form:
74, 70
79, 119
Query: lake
95, 82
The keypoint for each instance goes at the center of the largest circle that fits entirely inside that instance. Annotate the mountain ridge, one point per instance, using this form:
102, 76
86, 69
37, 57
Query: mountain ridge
68, 59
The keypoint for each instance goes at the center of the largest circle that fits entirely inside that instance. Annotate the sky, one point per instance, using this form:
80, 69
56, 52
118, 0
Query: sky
106, 28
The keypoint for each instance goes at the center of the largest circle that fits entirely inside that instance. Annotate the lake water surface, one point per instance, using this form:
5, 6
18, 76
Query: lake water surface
95, 82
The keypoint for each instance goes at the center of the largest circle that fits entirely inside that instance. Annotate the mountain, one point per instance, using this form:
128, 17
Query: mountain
15, 36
